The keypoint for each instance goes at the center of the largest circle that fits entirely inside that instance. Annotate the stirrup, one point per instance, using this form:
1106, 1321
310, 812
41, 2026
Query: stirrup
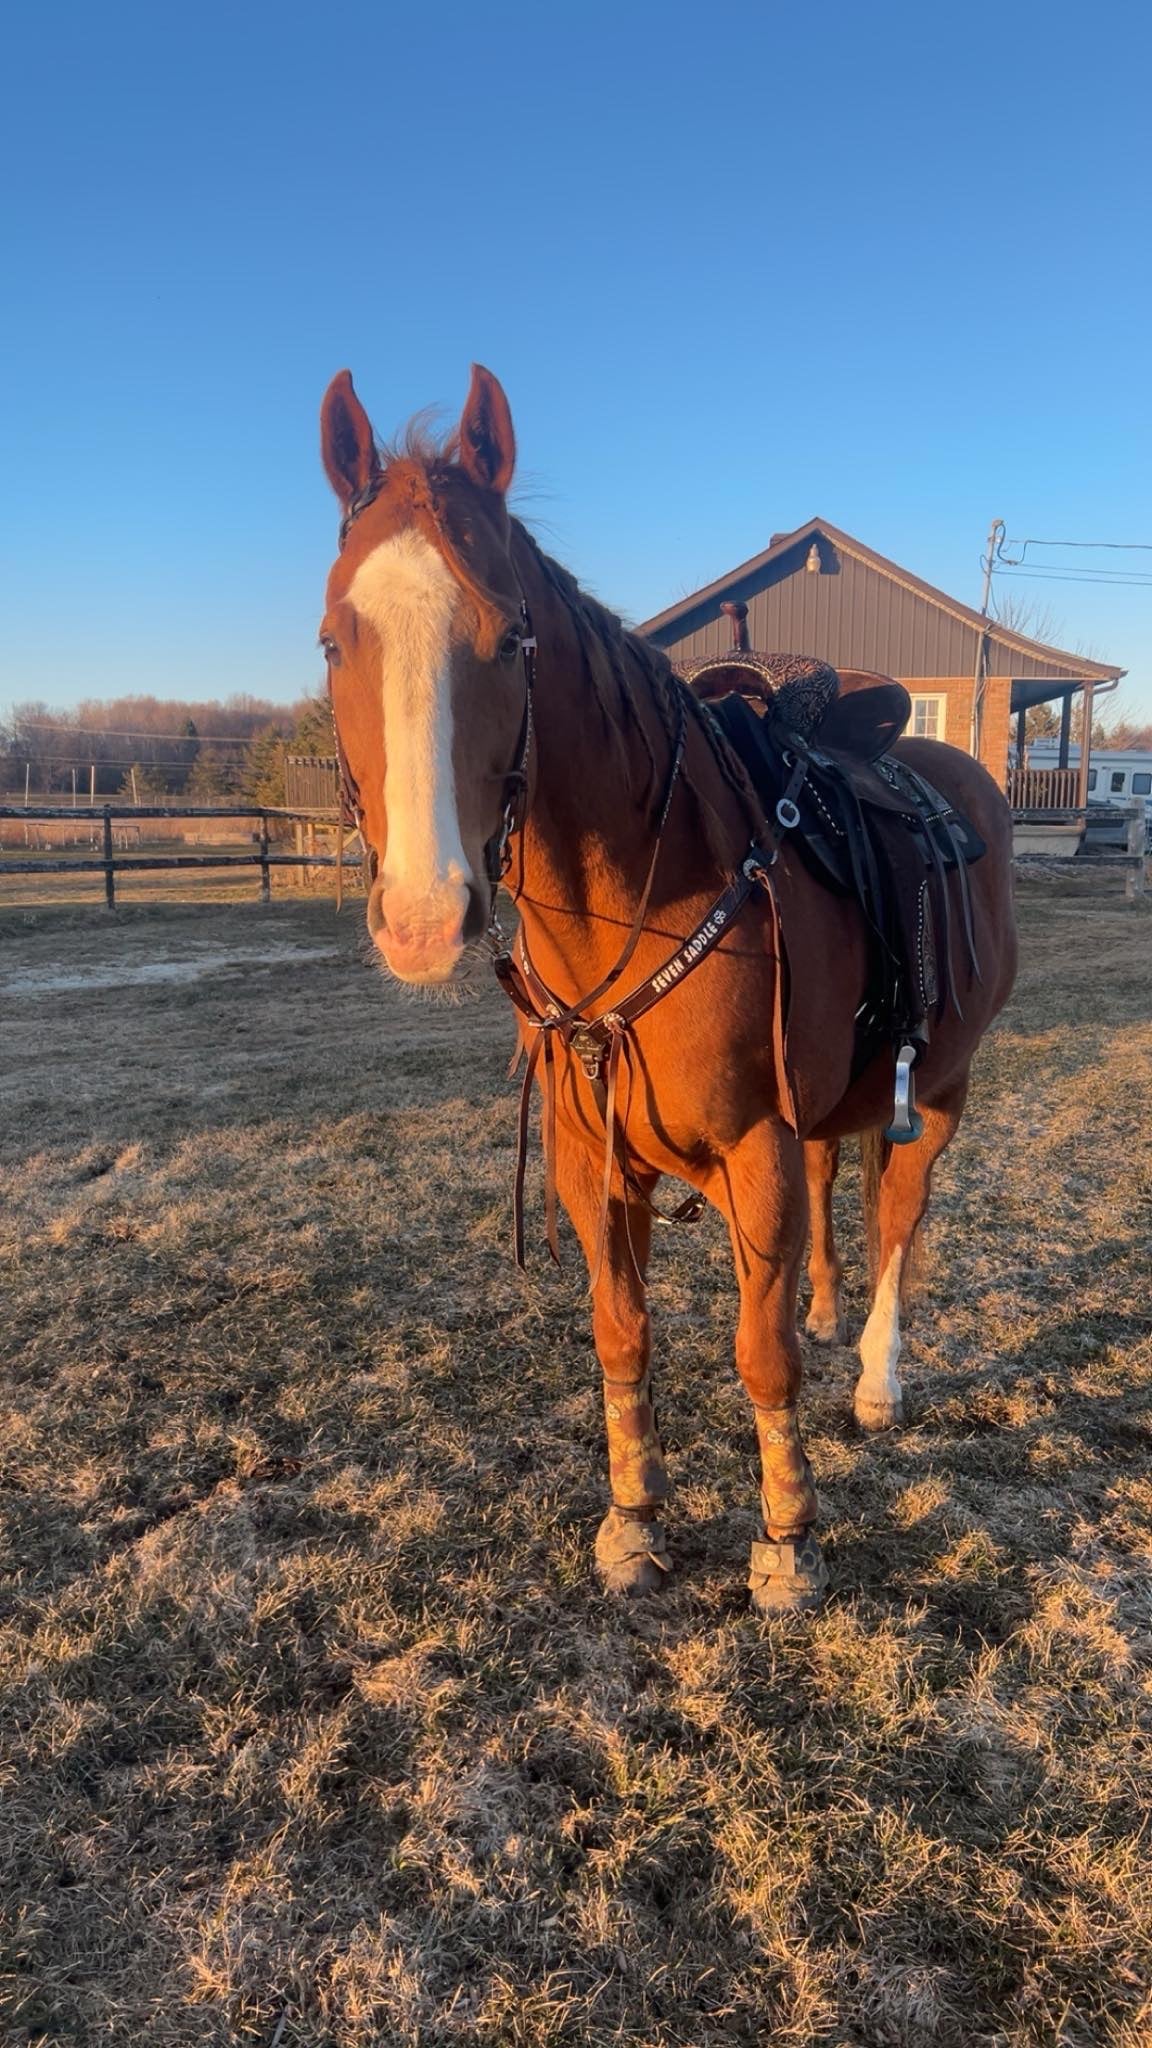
907, 1123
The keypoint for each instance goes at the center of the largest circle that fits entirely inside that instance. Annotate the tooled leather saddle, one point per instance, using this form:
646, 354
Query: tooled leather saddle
815, 746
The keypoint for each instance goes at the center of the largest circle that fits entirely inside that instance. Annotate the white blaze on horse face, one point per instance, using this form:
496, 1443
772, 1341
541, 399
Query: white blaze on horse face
405, 590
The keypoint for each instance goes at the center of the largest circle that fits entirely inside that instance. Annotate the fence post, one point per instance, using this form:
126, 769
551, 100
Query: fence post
1134, 880
109, 863
265, 872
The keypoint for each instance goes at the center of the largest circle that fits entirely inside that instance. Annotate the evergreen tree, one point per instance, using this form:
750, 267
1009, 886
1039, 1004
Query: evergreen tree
313, 732
209, 781
262, 779
1041, 723
144, 784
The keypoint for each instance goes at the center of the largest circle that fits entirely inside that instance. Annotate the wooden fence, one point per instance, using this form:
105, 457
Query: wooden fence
312, 782
111, 863
1134, 859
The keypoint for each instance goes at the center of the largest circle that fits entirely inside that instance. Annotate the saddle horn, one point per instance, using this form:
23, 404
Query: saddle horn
738, 613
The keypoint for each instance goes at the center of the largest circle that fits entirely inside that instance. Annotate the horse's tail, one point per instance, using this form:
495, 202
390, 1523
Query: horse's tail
875, 1152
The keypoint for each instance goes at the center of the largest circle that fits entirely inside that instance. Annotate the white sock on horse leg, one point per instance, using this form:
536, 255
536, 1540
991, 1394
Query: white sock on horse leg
878, 1396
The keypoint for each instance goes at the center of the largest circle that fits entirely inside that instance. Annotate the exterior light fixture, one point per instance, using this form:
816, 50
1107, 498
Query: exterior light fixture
812, 565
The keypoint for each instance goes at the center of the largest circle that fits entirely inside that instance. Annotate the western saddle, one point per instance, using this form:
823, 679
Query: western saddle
815, 746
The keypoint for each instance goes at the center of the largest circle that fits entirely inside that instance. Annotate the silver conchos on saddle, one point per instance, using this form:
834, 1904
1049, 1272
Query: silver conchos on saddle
867, 825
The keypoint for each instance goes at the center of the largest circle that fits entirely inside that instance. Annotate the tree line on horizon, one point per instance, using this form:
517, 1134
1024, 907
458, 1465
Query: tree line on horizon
148, 749
1117, 736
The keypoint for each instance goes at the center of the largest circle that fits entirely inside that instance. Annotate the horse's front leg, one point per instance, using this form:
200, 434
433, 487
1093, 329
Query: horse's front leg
631, 1545
760, 1185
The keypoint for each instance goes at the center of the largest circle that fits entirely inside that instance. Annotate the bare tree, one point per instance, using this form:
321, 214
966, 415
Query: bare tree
1018, 614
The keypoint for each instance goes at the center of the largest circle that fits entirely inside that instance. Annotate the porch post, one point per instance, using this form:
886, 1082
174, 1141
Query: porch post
1085, 747
1021, 716
1065, 728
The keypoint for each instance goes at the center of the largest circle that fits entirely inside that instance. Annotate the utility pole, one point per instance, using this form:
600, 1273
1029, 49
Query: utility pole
996, 534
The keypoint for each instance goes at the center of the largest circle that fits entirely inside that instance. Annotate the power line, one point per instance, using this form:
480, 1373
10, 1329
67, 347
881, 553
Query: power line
1125, 546
1091, 575
115, 732
85, 761
1109, 582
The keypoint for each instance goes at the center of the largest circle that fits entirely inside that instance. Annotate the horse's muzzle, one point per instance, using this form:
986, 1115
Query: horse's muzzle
422, 934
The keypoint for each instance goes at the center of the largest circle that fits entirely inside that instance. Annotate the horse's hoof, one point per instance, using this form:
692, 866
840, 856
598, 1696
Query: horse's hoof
788, 1575
874, 1415
631, 1557
826, 1329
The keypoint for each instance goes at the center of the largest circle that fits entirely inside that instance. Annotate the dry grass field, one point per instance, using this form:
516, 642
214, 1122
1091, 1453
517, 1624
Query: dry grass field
317, 1733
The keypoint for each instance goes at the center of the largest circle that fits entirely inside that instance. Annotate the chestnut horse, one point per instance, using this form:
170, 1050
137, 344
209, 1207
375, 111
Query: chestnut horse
461, 723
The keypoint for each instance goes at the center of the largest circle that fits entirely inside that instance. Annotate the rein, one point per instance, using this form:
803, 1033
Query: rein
601, 1044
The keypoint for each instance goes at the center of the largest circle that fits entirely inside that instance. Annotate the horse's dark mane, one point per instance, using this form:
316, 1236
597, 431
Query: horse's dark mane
624, 671
618, 659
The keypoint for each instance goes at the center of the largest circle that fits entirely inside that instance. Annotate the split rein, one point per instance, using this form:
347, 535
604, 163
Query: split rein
603, 1044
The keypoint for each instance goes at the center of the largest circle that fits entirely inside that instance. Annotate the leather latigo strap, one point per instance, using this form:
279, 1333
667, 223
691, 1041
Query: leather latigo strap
603, 1045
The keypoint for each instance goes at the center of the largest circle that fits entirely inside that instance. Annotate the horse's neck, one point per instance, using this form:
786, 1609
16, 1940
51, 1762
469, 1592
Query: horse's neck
592, 819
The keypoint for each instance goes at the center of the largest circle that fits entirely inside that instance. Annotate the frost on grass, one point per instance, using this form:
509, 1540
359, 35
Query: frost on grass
313, 1720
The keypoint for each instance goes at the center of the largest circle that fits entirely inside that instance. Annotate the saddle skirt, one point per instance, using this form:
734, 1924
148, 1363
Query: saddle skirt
815, 748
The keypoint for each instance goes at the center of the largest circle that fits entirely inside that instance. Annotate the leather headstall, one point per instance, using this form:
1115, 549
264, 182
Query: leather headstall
515, 782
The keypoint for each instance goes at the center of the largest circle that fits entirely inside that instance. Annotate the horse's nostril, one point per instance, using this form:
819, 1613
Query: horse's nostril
476, 915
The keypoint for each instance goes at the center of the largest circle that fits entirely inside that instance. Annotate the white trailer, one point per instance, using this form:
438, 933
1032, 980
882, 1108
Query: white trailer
1116, 775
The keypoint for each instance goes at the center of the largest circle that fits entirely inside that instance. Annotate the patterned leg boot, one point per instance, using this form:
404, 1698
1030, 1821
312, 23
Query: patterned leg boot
631, 1543
788, 1575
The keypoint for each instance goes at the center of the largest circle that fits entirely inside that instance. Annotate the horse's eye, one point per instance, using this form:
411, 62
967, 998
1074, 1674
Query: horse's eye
510, 646
330, 650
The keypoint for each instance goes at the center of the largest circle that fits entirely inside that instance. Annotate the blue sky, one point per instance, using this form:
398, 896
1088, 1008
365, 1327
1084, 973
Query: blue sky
734, 265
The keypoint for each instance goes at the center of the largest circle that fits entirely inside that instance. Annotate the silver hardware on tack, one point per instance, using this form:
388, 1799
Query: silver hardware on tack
787, 813
755, 868
907, 1123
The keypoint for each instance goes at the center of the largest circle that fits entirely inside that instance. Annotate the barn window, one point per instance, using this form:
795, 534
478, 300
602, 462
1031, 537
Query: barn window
1142, 785
928, 718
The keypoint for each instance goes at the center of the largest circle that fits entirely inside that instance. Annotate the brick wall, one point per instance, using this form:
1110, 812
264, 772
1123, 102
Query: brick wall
995, 733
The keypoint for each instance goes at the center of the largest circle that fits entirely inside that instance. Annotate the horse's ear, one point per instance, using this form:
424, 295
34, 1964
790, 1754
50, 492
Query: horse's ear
487, 443
347, 442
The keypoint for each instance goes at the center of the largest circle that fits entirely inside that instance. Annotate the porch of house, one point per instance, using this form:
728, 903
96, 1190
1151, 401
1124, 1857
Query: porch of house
1035, 792
1049, 804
